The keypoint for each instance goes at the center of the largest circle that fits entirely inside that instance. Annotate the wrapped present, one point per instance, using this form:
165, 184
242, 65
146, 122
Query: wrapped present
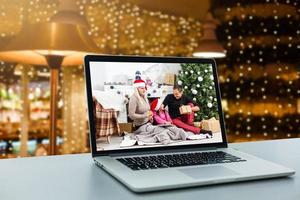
198, 124
211, 124
169, 79
126, 127
185, 109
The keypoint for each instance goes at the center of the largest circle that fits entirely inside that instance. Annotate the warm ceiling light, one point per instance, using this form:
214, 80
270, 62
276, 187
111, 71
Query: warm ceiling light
209, 47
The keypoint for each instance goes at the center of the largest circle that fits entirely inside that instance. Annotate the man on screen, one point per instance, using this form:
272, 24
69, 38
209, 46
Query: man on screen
186, 121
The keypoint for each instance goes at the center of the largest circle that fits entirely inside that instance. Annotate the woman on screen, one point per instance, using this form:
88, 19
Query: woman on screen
139, 108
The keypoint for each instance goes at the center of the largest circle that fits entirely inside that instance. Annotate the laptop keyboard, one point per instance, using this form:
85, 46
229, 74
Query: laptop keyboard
178, 160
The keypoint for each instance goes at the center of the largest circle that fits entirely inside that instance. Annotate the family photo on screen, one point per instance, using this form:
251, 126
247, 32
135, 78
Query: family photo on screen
140, 105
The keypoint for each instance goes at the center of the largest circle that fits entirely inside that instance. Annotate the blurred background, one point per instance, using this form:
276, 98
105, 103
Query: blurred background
42, 86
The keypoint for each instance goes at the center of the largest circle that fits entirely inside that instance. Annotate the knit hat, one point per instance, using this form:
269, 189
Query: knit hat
139, 83
155, 104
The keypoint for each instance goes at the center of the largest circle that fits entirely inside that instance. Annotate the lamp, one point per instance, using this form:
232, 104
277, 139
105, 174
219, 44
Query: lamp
209, 47
68, 13
52, 44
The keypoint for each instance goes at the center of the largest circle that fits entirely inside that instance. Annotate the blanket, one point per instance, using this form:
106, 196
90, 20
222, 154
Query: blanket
149, 133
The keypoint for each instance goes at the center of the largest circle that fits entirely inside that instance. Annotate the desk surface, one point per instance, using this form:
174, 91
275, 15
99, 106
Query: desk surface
76, 177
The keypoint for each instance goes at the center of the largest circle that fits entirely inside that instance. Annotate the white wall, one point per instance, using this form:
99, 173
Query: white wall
119, 71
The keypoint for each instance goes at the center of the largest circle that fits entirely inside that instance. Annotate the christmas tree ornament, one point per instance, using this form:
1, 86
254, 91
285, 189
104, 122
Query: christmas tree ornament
200, 79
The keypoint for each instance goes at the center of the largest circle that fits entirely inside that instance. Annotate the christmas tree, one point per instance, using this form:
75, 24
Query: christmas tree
198, 83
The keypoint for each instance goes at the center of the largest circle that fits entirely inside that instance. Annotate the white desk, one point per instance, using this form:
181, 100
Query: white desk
75, 177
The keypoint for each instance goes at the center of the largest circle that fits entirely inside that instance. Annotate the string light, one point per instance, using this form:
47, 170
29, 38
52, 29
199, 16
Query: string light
164, 30
234, 16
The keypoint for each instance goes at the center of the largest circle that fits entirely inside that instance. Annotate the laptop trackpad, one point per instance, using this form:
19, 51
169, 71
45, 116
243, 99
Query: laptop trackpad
208, 172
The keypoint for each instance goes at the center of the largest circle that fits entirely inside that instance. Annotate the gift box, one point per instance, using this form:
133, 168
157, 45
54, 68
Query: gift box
169, 79
211, 124
185, 109
126, 127
198, 124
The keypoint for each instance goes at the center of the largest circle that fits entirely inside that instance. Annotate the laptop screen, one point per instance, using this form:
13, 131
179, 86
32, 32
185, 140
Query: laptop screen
146, 104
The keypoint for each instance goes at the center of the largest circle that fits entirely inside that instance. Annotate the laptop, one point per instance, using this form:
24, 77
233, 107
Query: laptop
150, 157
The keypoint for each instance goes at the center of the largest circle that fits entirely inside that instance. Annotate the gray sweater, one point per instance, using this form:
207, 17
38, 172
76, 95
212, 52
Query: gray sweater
138, 110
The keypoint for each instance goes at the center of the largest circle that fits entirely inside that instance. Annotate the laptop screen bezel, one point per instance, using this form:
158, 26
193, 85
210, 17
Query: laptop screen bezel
143, 59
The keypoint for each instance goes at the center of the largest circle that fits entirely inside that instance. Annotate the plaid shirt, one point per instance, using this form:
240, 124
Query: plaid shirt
106, 121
